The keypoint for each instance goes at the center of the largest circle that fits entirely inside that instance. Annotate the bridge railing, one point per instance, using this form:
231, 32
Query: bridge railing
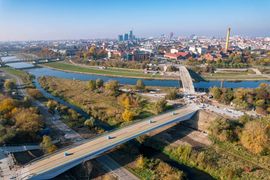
96, 137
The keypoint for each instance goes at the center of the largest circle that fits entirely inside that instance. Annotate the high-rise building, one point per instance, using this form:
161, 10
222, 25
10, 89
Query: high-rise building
228, 40
126, 37
131, 35
120, 37
171, 36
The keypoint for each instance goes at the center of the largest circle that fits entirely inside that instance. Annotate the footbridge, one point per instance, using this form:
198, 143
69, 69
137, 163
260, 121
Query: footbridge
187, 83
52, 165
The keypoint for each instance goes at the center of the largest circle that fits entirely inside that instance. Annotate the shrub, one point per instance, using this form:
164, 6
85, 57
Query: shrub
172, 94
9, 84
47, 145
140, 85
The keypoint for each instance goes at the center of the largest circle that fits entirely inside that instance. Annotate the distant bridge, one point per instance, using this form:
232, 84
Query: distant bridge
52, 165
14, 59
187, 83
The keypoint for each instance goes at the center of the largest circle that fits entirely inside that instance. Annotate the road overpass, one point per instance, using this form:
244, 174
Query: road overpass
52, 165
187, 83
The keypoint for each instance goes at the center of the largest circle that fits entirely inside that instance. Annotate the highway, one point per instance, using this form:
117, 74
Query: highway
53, 165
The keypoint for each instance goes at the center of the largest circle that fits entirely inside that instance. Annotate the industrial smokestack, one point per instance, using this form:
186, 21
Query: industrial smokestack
228, 39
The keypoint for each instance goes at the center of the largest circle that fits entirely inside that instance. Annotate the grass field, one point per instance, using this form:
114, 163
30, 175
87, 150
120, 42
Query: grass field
26, 78
233, 76
98, 104
120, 72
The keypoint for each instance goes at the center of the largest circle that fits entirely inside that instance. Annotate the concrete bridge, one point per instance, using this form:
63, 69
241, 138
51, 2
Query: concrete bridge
52, 165
14, 59
187, 83
12, 149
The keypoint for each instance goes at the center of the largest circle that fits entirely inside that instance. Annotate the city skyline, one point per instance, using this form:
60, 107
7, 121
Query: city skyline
55, 20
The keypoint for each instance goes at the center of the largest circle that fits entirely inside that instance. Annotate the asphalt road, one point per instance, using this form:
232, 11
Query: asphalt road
98, 144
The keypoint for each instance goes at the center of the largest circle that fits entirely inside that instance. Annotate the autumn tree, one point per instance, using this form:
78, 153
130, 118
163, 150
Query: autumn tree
93, 52
34, 93
90, 122
47, 145
51, 104
140, 162
28, 121
112, 87
9, 84
128, 115
7, 105
125, 100
256, 136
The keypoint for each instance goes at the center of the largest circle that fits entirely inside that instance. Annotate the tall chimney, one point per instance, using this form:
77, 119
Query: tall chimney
228, 39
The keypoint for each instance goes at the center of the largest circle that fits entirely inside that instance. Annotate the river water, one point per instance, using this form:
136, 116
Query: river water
38, 72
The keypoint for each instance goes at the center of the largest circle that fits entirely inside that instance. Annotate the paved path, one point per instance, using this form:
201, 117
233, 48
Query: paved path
56, 163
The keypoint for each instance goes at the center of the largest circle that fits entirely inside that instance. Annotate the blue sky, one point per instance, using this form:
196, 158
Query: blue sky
82, 19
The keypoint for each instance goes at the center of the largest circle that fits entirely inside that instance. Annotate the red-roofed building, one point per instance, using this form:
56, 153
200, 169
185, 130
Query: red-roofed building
209, 57
177, 56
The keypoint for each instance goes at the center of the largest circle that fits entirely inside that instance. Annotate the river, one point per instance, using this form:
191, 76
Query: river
38, 72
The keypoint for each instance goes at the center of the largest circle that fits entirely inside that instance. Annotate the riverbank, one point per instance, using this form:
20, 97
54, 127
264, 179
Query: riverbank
122, 72
104, 72
234, 77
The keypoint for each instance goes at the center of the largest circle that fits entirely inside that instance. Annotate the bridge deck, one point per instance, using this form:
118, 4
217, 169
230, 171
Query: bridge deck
186, 79
57, 163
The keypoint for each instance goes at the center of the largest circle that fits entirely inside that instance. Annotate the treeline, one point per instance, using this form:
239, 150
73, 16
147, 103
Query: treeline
251, 133
116, 63
149, 168
92, 53
19, 122
43, 53
258, 98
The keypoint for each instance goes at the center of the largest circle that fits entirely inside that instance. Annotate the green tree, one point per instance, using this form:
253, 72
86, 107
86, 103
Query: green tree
92, 85
140, 85
99, 83
227, 96
216, 92
160, 105
221, 129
